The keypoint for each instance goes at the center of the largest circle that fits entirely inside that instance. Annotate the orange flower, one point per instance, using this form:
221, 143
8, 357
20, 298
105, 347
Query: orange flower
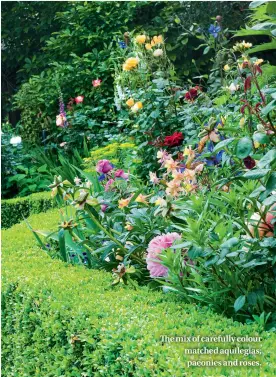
130, 102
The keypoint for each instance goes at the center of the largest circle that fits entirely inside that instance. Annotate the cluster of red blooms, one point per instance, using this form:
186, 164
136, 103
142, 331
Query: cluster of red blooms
193, 93
173, 140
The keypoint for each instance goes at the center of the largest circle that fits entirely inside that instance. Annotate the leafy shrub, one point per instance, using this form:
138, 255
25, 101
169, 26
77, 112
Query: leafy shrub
262, 24
13, 211
123, 155
98, 331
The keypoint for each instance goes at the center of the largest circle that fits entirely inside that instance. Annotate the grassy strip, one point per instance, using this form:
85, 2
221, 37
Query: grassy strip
60, 320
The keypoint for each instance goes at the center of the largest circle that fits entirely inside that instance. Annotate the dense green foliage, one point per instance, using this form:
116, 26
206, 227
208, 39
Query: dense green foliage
13, 211
85, 47
60, 320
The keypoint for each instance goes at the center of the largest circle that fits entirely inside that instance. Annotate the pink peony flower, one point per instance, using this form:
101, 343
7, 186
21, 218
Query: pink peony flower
79, 99
104, 166
121, 174
156, 246
108, 184
96, 83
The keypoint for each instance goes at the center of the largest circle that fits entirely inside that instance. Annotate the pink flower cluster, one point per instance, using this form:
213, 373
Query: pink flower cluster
108, 172
155, 247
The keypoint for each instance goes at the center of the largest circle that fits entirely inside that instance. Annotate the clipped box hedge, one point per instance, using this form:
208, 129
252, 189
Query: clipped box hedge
13, 210
65, 321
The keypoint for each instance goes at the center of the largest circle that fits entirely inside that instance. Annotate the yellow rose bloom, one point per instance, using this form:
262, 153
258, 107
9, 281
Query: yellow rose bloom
139, 105
148, 46
226, 67
158, 39
130, 64
130, 102
141, 39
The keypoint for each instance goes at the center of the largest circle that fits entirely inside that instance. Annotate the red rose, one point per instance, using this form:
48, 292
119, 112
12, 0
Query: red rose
192, 93
174, 140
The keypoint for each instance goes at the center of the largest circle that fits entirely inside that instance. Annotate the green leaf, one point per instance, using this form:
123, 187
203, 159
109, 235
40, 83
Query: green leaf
239, 303
230, 243
62, 247
223, 143
206, 50
267, 159
244, 147
256, 173
261, 137
269, 107
256, 3
263, 47
271, 183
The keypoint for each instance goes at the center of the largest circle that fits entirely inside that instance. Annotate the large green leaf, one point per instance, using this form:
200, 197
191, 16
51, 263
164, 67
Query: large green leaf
263, 47
244, 147
256, 173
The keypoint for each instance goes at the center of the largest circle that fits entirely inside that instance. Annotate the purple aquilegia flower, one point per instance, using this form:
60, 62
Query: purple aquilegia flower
104, 207
214, 30
122, 44
104, 166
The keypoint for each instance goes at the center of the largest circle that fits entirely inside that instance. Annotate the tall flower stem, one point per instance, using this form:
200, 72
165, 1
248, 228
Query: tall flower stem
100, 226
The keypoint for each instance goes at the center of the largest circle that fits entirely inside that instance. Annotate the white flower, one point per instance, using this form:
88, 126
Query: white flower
77, 181
135, 108
15, 140
120, 267
107, 259
63, 144
88, 184
158, 52
233, 87
260, 128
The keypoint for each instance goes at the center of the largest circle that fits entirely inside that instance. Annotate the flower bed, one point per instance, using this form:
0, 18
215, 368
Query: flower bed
60, 320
